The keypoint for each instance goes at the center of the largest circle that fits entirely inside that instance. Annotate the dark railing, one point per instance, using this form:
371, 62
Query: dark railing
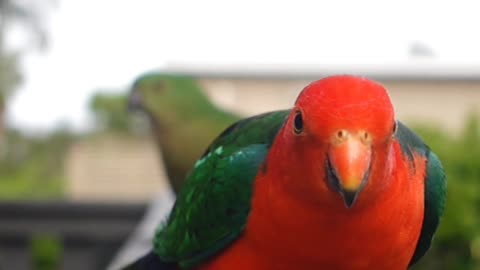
88, 234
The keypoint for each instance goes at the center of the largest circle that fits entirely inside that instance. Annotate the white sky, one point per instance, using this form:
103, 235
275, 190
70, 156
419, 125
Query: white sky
104, 44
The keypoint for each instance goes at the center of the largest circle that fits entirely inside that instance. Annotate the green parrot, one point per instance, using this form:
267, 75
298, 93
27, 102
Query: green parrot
182, 117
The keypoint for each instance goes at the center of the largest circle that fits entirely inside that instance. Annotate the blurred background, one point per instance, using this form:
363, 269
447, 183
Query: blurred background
84, 150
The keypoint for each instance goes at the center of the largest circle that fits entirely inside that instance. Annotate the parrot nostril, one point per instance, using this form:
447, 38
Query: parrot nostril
342, 134
366, 137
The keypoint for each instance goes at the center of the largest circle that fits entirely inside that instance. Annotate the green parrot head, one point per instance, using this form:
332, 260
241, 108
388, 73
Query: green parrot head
167, 97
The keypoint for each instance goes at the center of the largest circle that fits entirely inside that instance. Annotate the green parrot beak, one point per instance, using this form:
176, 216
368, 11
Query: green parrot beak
134, 102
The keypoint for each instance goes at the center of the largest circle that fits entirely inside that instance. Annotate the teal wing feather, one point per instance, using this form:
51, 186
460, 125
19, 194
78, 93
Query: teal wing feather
435, 187
211, 210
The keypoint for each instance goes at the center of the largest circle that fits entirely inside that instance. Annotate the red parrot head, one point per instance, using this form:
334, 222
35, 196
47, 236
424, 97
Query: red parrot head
344, 125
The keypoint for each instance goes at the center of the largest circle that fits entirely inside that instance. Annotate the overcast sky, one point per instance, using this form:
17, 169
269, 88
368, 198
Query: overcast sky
104, 44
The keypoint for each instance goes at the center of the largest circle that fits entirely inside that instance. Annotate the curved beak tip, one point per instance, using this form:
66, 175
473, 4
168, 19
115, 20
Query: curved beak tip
348, 168
349, 197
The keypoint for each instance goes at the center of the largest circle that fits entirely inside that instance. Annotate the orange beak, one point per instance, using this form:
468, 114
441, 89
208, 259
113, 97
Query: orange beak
348, 167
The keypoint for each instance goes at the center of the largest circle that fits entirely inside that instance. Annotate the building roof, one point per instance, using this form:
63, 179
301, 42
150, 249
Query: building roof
421, 69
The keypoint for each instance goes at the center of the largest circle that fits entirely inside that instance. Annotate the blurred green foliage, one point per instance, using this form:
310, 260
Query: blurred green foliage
46, 252
19, 178
32, 167
457, 243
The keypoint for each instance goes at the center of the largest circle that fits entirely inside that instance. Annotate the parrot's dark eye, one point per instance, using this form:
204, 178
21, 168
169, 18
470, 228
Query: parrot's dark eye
394, 129
298, 123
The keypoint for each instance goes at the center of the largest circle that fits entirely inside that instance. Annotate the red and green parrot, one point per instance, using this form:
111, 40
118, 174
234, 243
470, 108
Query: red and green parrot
333, 183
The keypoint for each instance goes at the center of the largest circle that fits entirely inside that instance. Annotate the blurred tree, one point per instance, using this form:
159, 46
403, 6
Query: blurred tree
110, 111
9, 80
28, 14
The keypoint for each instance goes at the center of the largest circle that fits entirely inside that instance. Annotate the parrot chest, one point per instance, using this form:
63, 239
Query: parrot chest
292, 236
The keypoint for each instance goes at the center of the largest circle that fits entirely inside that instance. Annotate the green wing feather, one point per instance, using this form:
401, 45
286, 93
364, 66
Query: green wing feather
435, 187
212, 208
